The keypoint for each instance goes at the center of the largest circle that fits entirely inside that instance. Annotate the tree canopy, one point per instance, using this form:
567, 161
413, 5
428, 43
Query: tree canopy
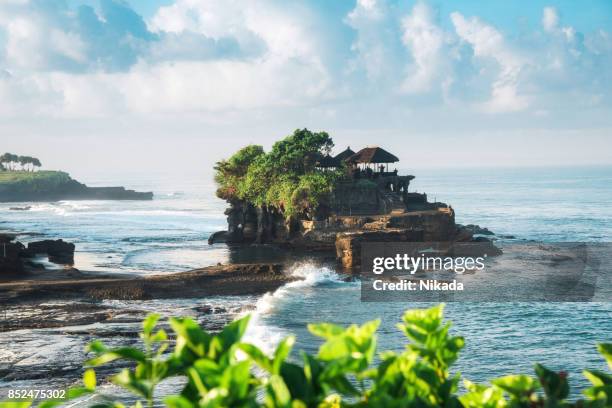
285, 178
9, 161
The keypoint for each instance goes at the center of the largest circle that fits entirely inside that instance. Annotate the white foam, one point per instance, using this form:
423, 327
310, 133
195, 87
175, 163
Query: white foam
267, 336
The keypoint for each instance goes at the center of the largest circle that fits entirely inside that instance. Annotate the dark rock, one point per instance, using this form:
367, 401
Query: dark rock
477, 229
218, 237
26, 208
210, 309
59, 251
10, 255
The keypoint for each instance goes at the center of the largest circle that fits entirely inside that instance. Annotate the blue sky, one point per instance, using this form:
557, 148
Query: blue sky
496, 82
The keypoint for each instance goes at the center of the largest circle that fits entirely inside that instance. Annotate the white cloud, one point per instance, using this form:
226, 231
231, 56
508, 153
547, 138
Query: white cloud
488, 43
425, 41
33, 43
375, 45
227, 55
284, 68
550, 19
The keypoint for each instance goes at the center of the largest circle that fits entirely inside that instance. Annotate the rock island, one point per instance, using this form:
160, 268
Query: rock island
300, 196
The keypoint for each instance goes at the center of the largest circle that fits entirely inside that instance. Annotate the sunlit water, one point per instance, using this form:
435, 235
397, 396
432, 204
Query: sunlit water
169, 234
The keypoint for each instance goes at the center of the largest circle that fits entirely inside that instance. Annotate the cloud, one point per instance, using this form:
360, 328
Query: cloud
376, 45
194, 56
425, 41
488, 44
550, 19
208, 56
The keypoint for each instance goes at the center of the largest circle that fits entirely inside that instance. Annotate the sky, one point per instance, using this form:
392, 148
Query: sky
97, 86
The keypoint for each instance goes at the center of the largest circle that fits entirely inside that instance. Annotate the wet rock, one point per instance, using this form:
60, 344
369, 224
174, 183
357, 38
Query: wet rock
218, 237
59, 251
10, 255
507, 236
477, 229
210, 309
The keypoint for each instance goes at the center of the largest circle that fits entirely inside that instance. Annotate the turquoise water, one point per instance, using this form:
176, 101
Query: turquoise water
549, 205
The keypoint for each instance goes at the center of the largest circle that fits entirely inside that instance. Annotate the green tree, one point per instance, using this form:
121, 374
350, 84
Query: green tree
35, 163
24, 161
285, 178
7, 160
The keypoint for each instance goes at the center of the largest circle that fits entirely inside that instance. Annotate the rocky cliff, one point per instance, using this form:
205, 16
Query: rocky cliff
343, 232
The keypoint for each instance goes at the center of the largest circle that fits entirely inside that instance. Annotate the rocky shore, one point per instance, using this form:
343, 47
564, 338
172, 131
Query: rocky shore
343, 235
218, 280
17, 258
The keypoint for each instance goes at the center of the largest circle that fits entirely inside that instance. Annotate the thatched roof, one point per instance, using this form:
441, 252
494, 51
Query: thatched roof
373, 155
328, 161
345, 154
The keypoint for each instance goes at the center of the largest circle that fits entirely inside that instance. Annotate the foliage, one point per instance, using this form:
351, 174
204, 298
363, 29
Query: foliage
8, 161
222, 371
286, 178
25, 181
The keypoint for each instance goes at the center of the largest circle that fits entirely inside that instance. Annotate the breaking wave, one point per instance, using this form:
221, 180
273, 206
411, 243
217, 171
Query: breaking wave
266, 335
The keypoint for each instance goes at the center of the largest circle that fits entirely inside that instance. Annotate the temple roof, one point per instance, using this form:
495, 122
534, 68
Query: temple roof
373, 155
344, 154
328, 161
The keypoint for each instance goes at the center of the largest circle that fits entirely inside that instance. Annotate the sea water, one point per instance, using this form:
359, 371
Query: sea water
169, 234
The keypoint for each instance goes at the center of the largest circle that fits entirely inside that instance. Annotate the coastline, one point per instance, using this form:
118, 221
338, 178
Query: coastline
217, 280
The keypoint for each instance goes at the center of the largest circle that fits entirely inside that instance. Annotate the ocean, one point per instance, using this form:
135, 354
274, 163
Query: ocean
170, 233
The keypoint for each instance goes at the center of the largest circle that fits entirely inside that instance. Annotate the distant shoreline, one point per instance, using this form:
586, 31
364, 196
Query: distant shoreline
24, 186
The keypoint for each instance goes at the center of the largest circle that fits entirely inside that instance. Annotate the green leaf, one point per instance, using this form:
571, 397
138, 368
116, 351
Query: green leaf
280, 392
258, 356
598, 378
77, 392
128, 353
149, 323
516, 385
282, 352
176, 401
555, 385
325, 330
15, 404
50, 403
605, 349
233, 332
89, 379
190, 335
427, 320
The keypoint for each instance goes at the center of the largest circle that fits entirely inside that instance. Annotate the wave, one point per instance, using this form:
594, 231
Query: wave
267, 336
63, 208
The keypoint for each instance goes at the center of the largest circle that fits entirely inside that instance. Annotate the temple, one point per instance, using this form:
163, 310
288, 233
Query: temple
370, 187
370, 202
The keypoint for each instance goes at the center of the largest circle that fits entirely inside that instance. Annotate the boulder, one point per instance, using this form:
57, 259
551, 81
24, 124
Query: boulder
10, 255
218, 237
59, 251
